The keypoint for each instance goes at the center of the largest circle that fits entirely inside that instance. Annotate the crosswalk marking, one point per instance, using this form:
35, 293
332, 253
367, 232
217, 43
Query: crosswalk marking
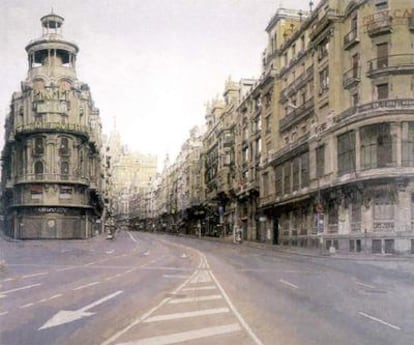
187, 314
212, 287
195, 299
186, 336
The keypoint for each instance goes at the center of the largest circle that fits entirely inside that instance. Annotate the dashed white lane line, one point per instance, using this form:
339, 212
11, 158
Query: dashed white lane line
66, 269
3, 313
85, 286
26, 305
365, 285
195, 299
289, 284
186, 336
35, 275
379, 320
20, 288
55, 296
183, 315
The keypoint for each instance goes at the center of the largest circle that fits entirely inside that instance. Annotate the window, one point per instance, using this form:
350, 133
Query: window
38, 167
64, 168
382, 55
323, 81
258, 147
267, 124
39, 146
295, 174
382, 91
355, 66
304, 170
320, 161
346, 152
278, 180
286, 177
64, 146
323, 49
265, 184
381, 5
333, 216
408, 144
376, 146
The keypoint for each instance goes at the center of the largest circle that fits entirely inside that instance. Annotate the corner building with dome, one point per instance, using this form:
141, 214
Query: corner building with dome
51, 158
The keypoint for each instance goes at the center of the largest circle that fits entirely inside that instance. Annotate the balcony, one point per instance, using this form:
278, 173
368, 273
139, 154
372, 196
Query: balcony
52, 127
400, 105
57, 107
382, 24
351, 39
323, 23
297, 115
51, 178
391, 64
351, 77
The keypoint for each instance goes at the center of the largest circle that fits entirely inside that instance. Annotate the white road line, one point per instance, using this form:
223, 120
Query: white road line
55, 296
21, 288
113, 277
26, 305
211, 287
187, 314
3, 313
186, 336
256, 340
365, 285
132, 237
85, 286
65, 269
379, 320
195, 299
140, 319
289, 284
34, 275
178, 276
8, 279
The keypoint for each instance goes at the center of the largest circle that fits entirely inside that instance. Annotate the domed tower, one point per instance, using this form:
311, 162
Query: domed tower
51, 173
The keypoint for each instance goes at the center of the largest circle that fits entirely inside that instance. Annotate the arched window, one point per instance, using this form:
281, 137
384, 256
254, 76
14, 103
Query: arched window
38, 167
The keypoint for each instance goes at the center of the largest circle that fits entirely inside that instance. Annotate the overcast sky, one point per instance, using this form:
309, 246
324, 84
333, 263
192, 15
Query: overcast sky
151, 64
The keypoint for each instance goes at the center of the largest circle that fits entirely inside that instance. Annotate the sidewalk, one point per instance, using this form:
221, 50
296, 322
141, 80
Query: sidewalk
313, 252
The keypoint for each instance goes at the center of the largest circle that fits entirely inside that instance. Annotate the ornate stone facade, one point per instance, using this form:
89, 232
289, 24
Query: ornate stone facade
51, 172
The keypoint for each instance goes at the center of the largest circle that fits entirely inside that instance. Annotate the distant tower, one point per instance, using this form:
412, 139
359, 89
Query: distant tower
51, 172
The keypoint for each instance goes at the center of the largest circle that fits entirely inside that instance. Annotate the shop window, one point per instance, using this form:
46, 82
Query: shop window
389, 246
376, 246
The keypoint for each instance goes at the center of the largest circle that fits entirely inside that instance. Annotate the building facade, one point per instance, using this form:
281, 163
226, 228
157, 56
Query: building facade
342, 162
51, 171
323, 140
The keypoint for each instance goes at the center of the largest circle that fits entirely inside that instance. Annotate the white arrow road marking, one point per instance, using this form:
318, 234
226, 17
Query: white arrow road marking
65, 316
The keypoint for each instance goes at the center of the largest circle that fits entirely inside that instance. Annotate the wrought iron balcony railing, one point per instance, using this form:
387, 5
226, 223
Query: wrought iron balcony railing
350, 39
351, 77
391, 64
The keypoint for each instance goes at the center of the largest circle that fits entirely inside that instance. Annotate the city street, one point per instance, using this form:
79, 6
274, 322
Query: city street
148, 288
